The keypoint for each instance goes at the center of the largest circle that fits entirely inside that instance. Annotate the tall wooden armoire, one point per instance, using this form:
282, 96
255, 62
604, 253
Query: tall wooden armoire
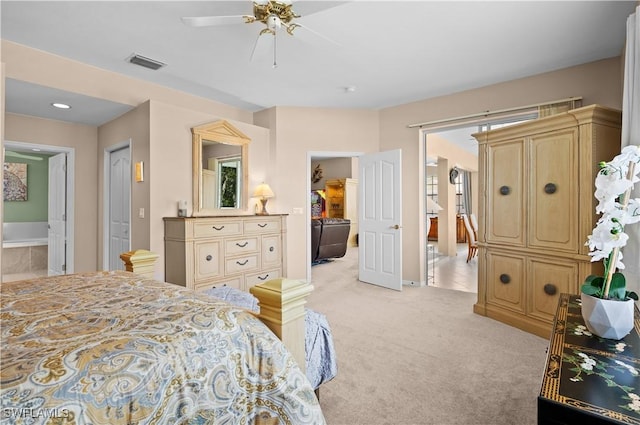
537, 207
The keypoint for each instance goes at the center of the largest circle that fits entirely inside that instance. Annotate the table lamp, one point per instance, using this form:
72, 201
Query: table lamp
264, 192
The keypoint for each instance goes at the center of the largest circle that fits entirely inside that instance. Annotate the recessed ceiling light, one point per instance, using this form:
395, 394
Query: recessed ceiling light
35, 149
350, 89
61, 105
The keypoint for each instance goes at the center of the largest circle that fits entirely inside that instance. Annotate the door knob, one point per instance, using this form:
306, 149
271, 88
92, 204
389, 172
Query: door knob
396, 226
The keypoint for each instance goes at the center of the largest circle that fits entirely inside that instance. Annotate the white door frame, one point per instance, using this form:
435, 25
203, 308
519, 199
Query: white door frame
307, 209
46, 149
105, 194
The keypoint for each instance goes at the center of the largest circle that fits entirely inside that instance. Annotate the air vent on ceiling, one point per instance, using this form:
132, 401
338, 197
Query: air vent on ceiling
146, 62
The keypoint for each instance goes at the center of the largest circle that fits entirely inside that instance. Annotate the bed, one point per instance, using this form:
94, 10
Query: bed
320, 356
119, 348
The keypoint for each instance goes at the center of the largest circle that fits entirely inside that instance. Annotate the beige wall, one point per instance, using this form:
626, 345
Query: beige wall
170, 165
597, 82
84, 140
36, 66
133, 128
294, 133
278, 156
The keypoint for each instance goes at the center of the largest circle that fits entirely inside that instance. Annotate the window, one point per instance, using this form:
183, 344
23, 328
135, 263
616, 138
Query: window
432, 191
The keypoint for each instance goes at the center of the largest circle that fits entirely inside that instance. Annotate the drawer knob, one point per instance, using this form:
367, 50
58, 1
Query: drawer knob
550, 289
242, 245
505, 190
209, 258
242, 263
217, 228
505, 278
550, 188
271, 249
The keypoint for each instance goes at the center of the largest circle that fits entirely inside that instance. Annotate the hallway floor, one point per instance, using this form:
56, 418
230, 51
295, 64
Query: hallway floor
450, 272
454, 272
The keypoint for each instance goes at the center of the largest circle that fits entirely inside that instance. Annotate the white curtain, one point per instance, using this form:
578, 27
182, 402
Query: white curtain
631, 136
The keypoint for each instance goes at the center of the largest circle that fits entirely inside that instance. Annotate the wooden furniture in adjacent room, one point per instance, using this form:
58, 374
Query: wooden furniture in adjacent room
342, 202
585, 379
537, 209
236, 251
461, 234
472, 243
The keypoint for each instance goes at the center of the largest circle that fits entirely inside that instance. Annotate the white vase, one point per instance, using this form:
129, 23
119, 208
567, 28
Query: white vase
611, 319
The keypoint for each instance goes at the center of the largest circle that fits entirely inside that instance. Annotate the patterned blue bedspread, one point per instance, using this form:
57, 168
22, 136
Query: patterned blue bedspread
114, 348
320, 353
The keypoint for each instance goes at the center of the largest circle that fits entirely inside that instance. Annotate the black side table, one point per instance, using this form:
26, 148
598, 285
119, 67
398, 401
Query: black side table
588, 379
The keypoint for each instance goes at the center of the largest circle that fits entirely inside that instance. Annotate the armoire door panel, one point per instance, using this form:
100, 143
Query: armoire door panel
549, 278
505, 213
506, 281
554, 190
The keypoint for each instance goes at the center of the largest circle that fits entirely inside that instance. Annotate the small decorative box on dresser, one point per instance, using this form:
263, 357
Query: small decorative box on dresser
537, 209
235, 251
588, 379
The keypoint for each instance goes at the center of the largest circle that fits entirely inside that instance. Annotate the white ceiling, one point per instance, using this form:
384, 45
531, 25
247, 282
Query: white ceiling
392, 52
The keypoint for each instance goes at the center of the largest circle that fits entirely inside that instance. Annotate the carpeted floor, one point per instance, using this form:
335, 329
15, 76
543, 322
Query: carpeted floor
421, 356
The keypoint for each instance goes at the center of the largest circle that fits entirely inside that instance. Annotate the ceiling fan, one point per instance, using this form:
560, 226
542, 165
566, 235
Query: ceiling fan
274, 14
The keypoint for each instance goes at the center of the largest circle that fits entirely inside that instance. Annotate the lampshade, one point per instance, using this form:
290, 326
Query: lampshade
263, 191
432, 206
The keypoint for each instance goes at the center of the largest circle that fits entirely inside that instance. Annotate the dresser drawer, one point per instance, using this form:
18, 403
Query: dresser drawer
262, 226
208, 260
254, 279
241, 246
234, 282
214, 228
271, 251
242, 264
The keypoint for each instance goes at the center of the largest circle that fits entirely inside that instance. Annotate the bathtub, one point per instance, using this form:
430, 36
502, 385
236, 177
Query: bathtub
24, 247
19, 243
32, 233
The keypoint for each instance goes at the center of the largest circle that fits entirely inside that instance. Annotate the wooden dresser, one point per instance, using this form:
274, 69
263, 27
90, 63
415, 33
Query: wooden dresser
236, 251
536, 185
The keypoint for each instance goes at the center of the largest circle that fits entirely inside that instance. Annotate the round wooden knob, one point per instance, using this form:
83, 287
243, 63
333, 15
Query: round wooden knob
550, 289
209, 258
505, 190
550, 188
505, 278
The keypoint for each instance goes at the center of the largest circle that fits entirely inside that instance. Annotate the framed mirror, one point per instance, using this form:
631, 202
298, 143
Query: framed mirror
220, 169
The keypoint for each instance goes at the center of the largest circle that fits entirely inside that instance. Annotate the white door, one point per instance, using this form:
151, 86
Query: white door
380, 219
119, 206
57, 214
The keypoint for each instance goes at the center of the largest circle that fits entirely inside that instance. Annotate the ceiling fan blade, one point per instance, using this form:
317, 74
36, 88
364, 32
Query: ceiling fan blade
206, 21
291, 27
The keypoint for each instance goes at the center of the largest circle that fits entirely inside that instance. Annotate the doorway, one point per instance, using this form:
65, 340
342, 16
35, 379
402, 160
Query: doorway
325, 169
38, 228
117, 204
